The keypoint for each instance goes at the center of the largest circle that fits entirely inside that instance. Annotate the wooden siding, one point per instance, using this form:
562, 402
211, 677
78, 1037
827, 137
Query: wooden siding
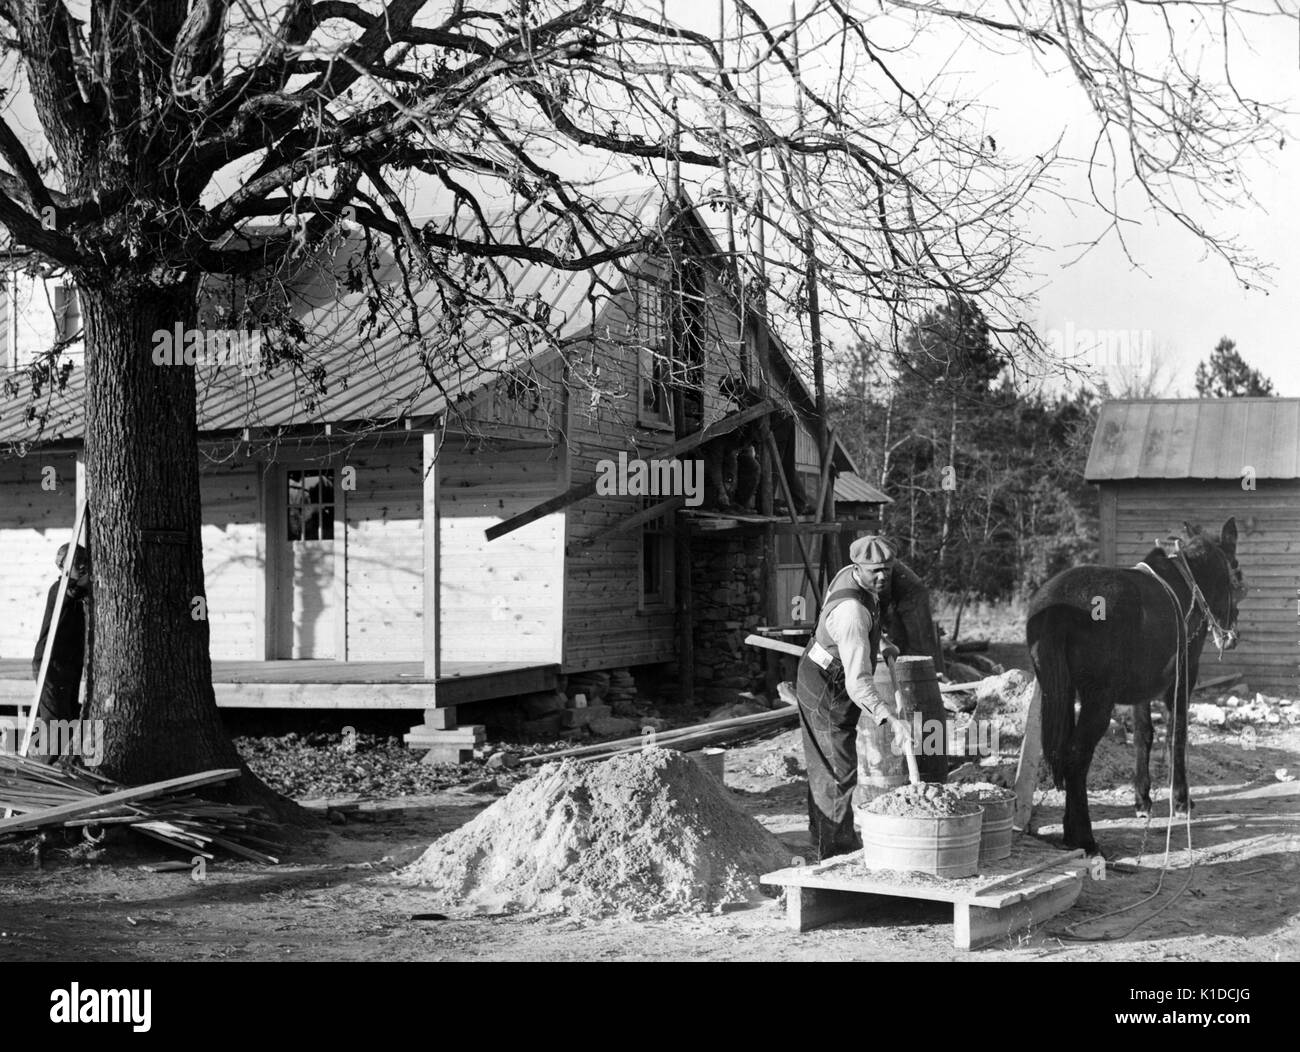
604, 626
234, 557
503, 599
385, 552
1268, 551
33, 523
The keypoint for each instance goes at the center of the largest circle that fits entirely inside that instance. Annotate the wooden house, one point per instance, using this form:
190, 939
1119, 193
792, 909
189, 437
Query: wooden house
1160, 463
346, 527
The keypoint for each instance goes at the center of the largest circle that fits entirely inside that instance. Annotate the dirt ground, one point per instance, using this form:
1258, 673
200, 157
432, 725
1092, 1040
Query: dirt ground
335, 900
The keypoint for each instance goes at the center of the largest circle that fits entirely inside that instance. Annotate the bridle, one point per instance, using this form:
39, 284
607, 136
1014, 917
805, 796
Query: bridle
1223, 637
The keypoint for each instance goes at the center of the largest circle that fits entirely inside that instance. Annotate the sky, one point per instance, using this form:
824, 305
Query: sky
1172, 296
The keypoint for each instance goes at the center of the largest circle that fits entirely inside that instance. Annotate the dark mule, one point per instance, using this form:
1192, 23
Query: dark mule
1106, 636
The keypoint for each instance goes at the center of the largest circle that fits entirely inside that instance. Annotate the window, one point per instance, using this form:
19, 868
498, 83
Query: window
310, 512
67, 313
656, 563
654, 406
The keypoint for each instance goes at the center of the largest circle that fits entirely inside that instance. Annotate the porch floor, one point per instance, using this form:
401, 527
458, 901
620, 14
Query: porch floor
339, 684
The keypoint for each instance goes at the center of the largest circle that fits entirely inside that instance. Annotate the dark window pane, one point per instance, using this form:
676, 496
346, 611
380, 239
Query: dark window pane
649, 565
296, 498
311, 527
327, 523
326, 487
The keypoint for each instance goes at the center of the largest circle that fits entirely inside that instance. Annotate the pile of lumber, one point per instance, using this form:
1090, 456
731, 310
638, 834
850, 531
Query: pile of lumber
685, 739
42, 796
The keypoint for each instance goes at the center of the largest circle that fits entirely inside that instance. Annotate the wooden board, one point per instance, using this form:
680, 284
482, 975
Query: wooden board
339, 684
1031, 753
843, 886
53, 815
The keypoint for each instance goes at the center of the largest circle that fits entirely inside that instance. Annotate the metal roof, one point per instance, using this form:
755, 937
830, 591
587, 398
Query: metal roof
373, 368
1196, 438
853, 489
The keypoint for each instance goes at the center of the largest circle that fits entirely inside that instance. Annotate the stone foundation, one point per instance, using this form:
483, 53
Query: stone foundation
727, 605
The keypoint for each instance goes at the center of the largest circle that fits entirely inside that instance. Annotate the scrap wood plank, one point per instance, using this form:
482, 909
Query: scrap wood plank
669, 739
90, 805
167, 867
1031, 752
838, 889
588, 489
774, 644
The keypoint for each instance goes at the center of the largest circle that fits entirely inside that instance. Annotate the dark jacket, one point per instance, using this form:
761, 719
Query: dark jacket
69, 650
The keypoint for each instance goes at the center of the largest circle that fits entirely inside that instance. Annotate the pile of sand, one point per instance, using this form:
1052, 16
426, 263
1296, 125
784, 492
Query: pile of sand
644, 834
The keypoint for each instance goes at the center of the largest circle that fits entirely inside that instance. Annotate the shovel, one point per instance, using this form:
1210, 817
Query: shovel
913, 772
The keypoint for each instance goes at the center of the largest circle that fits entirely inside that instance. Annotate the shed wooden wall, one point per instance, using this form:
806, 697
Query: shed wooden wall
33, 523
501, 600
1135, 513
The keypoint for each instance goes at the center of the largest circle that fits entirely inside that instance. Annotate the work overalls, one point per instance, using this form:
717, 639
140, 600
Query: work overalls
829, 720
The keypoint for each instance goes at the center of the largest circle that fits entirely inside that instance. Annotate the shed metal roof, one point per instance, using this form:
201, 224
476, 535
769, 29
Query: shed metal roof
1196, 438
851, 488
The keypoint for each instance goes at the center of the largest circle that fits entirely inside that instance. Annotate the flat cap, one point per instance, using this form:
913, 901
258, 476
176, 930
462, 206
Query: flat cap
871, 551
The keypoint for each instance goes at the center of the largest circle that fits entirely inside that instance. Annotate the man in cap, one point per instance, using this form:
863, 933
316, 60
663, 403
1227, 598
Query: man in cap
68, 649
835, 687
907, 615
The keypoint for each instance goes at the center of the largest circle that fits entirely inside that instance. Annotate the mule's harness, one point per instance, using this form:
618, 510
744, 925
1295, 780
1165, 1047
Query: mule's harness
1220, 634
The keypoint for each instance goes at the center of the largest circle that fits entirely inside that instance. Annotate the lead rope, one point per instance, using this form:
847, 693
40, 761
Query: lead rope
1180, 655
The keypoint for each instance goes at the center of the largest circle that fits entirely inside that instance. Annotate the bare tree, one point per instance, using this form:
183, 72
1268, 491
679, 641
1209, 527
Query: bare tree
171, 127
1146, 374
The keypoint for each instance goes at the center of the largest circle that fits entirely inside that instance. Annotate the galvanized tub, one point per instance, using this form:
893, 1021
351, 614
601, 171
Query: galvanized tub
995, 832
944, 845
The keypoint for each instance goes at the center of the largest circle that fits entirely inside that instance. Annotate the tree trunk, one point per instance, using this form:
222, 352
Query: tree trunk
152, 671
956, 625
946, 527
887, 452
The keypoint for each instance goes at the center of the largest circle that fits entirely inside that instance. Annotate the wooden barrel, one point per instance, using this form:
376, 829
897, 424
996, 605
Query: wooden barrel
880, 767
918, 693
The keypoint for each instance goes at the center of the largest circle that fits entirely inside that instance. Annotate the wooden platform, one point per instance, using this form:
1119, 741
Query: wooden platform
339, 684
841, 887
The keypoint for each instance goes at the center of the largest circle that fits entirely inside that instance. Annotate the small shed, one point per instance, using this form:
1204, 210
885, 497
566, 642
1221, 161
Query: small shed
1161, 462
